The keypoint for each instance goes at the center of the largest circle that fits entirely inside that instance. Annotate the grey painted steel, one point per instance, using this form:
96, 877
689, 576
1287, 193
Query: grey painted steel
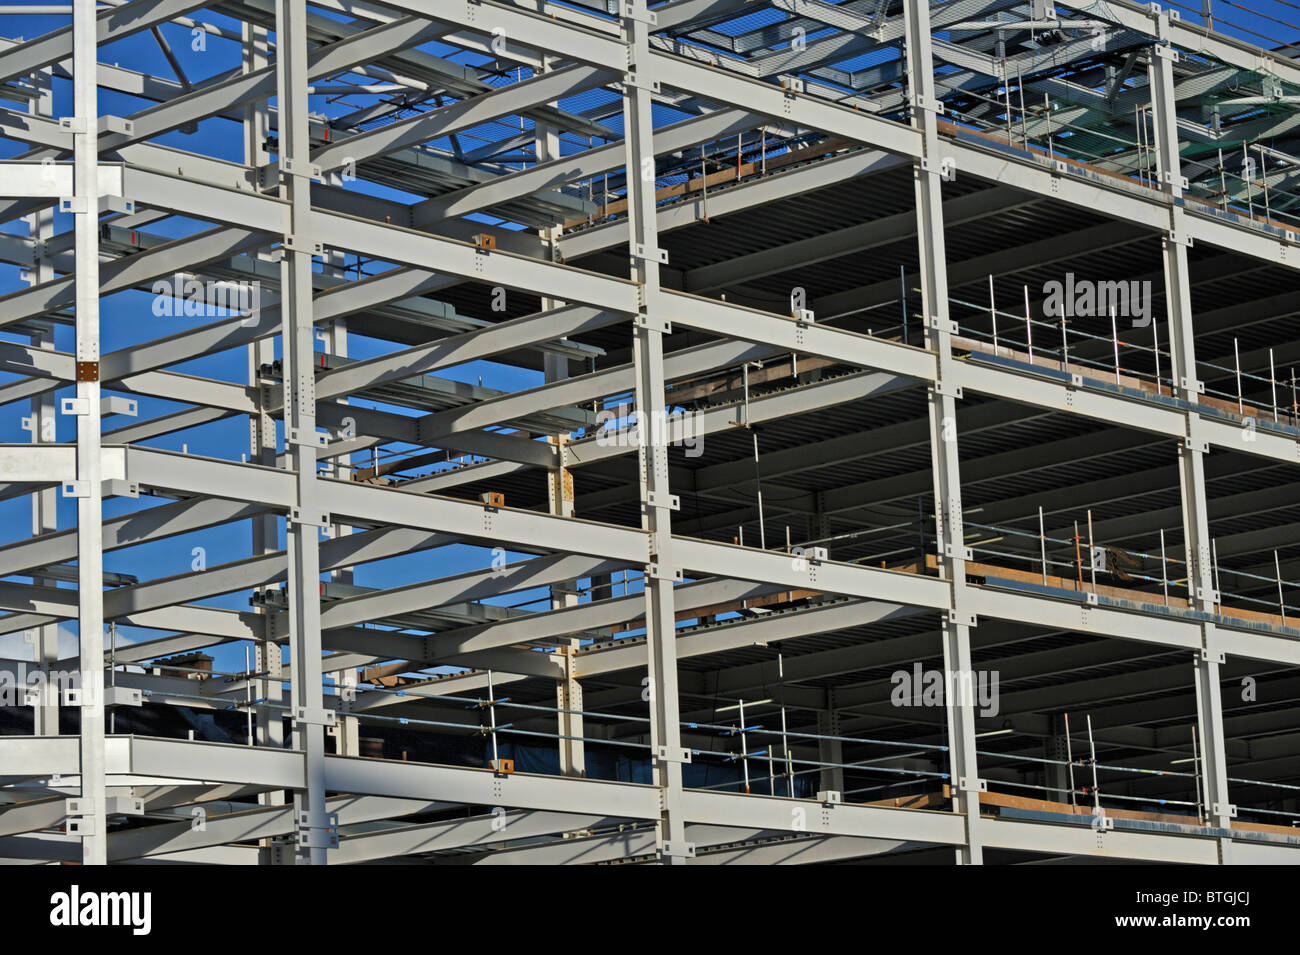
258, 203
950, 534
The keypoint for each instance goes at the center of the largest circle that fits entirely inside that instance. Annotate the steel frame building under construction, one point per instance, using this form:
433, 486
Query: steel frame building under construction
888, 449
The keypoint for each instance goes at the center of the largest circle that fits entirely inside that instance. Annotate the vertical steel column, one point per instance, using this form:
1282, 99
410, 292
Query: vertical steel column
1056, 777
301, 443
1182, 346
657, 502
568, 699
830, 751
93, 822
949, 532
559, 483
559, 487
45, 503
268, 657
347, 732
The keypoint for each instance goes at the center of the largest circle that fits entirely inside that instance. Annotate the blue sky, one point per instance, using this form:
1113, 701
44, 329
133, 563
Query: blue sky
127, 318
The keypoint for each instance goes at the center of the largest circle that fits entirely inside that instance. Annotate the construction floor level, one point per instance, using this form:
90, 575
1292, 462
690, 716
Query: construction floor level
728, 431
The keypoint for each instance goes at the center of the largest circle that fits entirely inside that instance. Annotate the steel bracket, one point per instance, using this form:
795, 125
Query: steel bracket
657, 571
830, 797
75, 406
290, 168
76, 489
1090, 599
1166, 52
958, 552
314, 716
633, 12
664, 754
72, 124
119, 204
640, 251
116, 124
925, 102
678, 850
114, 404
316, 518
312, 439
292, 243
317, 837
635, 81
653, 323
80, 822
76, 205
943, 325
962, 619
669, 501
940, 387
125, 806
123, 696
116, 487
1213, 656
968, 785
1224, 809
946, 168
1194, 441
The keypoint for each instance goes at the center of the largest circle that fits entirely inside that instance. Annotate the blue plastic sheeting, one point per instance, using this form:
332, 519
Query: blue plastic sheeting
1042, 371
1024, 587
1100, 384
1182, 829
